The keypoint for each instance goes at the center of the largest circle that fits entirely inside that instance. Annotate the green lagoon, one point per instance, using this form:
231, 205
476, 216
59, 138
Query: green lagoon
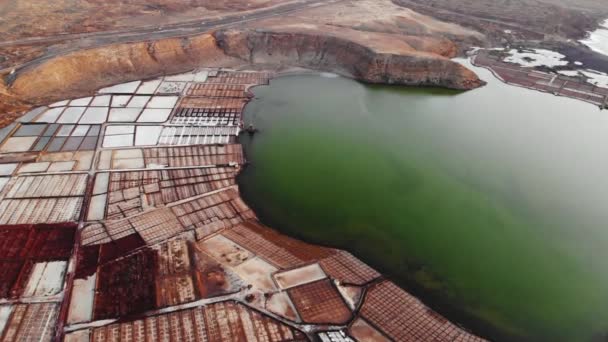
489, 205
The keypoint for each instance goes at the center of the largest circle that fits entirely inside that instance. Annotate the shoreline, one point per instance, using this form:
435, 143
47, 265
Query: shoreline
450, 311
140, 203
591, 94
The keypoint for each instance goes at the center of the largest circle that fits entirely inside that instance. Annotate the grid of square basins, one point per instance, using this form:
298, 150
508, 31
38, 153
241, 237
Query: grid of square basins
207, 117
111, 108
164, 225
219, 322
404, 318
51, 138
134, 191
210, 113
319, 302
33, 263
348, 270
43, 198
225, 77
277, 249
217, 90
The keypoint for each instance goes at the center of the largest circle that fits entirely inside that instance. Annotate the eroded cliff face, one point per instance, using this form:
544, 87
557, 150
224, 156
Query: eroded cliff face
327, 52
80, 73
11, 106
369, 57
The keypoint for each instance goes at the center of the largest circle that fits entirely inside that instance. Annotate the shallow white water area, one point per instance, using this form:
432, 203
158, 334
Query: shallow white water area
536, 57
598, 39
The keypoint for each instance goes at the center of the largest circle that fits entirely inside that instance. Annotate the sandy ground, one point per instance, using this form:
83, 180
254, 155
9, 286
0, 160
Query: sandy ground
27, 18
513, 20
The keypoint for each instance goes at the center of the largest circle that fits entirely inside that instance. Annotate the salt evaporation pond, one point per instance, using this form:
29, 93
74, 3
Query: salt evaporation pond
490, 205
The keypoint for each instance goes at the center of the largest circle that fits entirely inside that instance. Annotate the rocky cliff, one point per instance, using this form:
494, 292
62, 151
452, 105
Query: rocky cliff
373, 63
369, 57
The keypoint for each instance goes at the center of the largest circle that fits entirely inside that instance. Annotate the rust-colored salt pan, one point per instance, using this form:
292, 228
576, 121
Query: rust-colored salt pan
219, 322
320, 303
31, 322
217, 90
126, 286
404, 318
347, 269
278, 249
364, 332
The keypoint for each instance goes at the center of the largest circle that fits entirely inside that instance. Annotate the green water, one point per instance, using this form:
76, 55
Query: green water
490, 205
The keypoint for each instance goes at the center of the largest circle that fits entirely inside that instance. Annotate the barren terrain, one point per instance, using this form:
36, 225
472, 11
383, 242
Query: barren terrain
30, 18
518, 20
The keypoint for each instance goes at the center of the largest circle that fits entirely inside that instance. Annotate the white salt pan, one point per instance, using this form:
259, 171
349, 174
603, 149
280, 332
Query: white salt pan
18, 144
95, 115
7, 169
62, 166
124, 88
50, 115
81, 102
154, 115
80, 130
147, 135
171, 88
3, 181
148, 87
5, 313
101, 101
124, 114
97, 208
65, 130
81, 305
71, 115
116, 130
201, 76
59, 104
46, 279
138, 101
120, 100
118, 140
189, 77
34, 167
162, 102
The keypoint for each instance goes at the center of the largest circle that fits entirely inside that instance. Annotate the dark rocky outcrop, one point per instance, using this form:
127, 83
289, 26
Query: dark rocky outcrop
346, 57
